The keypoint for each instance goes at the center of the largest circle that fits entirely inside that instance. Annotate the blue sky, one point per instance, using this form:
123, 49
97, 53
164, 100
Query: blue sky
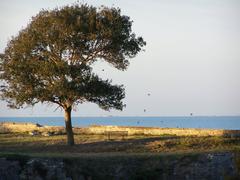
191, 63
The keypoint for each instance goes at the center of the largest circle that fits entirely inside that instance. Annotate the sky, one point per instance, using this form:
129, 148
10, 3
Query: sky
191, 63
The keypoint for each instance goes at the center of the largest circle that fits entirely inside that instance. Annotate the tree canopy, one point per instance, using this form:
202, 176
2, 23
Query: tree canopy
50, 60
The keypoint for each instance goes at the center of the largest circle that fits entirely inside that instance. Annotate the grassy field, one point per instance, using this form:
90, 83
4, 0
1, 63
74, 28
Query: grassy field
56, 145
135, 157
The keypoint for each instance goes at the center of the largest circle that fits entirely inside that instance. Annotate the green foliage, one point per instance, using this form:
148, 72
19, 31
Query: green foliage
50, 60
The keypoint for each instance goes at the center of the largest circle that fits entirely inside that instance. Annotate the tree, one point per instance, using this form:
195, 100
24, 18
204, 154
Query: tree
50, 60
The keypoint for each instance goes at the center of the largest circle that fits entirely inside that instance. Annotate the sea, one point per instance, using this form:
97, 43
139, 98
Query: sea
206, 122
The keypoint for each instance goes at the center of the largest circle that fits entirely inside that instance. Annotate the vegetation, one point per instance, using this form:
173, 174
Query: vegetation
24, 143
137, 166
137, 157
51, 59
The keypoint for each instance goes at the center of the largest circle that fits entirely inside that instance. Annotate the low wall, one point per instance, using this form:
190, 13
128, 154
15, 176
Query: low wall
11, 127
162, 131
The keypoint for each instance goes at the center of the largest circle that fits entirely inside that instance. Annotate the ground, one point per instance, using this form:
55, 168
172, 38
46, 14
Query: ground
135, 157
24, 143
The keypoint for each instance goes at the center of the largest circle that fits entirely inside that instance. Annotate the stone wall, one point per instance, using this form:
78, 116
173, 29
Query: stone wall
163, 131
211, 166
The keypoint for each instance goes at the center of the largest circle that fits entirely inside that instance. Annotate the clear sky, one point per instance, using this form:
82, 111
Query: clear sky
191, 63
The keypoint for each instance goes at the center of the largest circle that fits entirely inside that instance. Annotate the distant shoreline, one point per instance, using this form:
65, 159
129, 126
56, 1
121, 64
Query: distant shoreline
103, 116
203, 122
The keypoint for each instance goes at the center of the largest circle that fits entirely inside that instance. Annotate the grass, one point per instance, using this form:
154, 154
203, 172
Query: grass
136, 157
98, 144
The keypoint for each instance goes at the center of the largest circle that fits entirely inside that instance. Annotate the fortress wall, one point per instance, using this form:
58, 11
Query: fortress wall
163, 131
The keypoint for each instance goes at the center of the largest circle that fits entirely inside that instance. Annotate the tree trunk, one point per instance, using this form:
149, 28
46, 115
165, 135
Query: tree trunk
68, 123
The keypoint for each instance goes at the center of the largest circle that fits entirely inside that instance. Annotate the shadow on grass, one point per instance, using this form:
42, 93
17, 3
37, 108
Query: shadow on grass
116, 145
100, 144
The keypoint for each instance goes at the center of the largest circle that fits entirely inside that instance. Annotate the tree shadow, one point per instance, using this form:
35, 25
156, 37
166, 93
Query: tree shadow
102, 146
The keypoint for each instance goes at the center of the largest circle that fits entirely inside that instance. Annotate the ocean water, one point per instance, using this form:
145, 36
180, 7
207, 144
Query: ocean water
211, 122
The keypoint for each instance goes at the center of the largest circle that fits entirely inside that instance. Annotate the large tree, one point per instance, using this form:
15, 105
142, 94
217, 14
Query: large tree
50, 60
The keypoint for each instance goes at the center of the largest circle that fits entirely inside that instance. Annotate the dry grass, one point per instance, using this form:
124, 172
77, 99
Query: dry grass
24, 143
